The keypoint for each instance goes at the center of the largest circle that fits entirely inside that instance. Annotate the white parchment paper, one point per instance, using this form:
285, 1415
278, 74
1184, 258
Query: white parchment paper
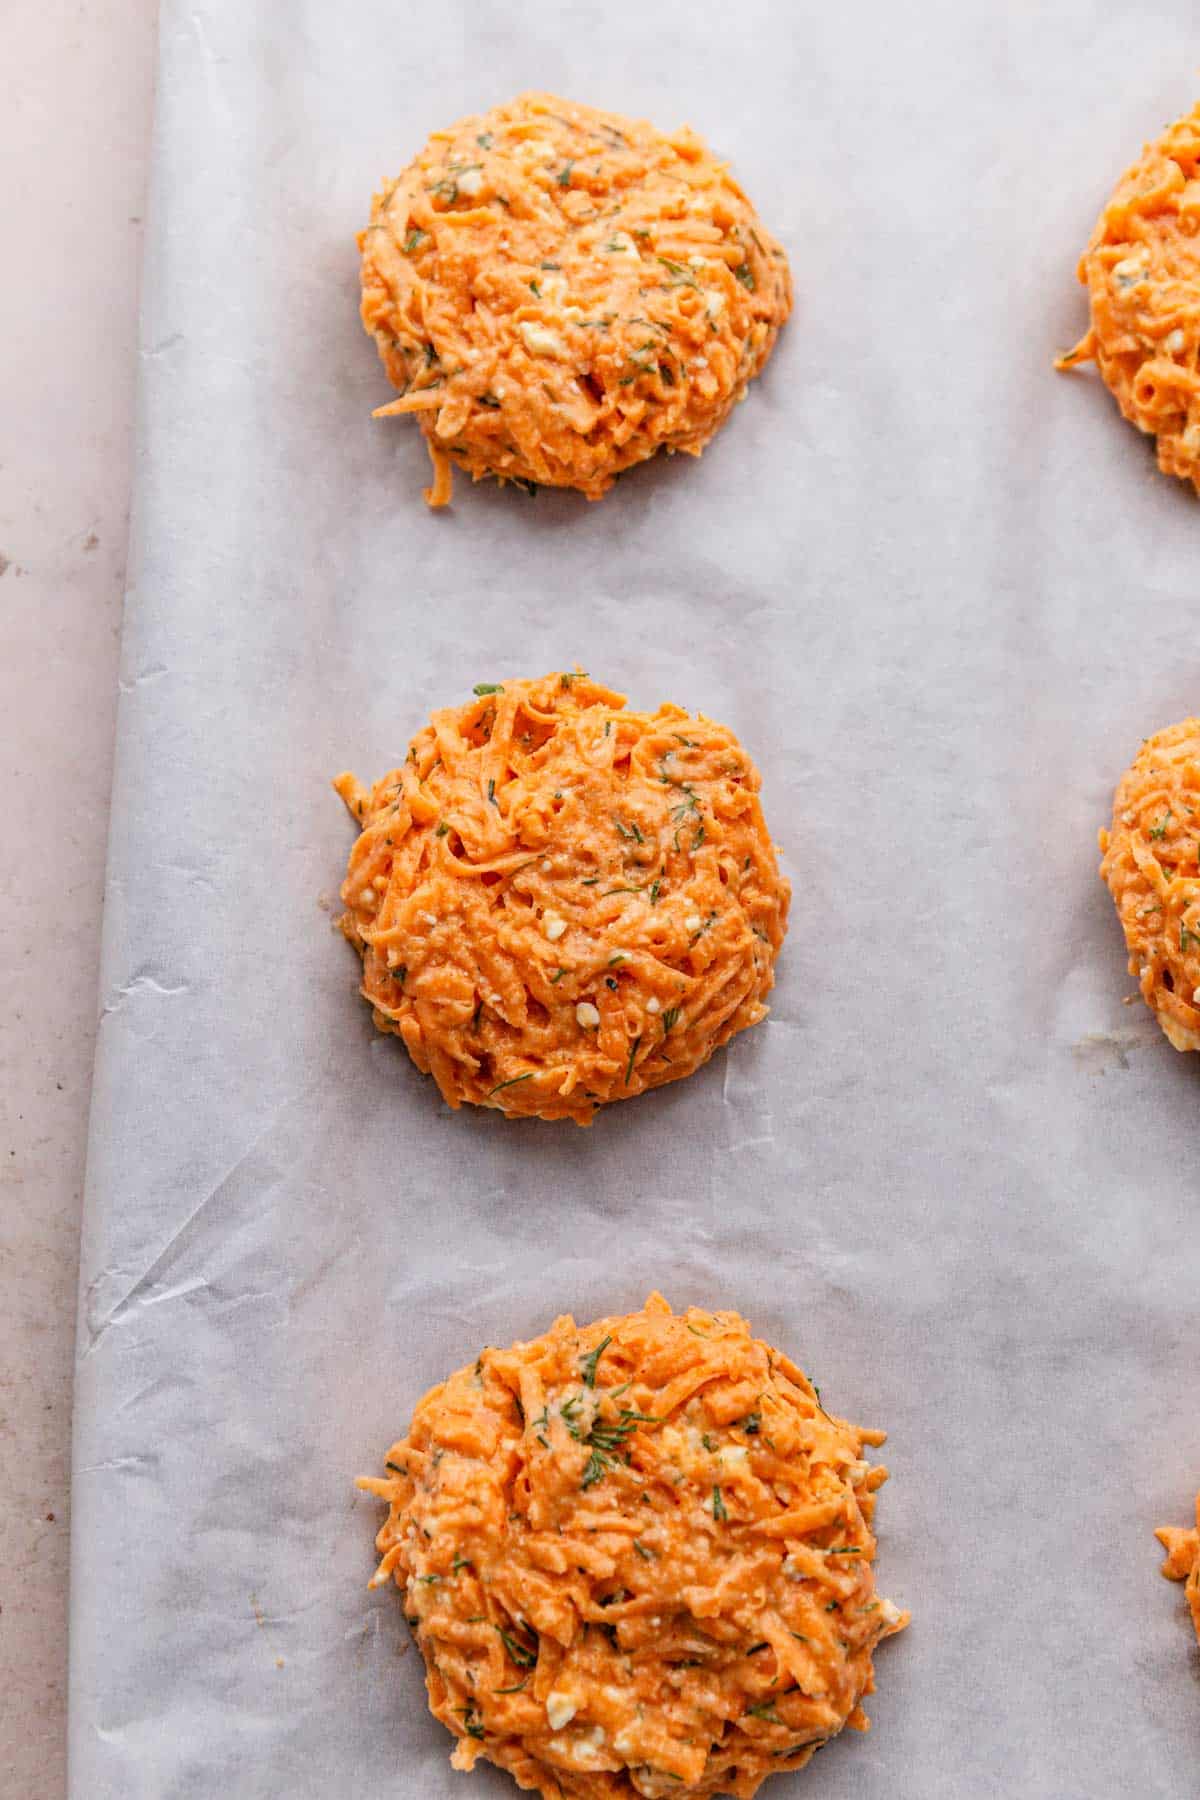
941, 593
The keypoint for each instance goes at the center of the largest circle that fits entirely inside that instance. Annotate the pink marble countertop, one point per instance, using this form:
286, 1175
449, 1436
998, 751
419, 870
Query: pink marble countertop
75, 134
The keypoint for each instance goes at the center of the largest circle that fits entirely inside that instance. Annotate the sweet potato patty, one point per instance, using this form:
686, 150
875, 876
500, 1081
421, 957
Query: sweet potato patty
637, 1558
1142, 273
558, 292
1183, 1561
1150, 865
560, 903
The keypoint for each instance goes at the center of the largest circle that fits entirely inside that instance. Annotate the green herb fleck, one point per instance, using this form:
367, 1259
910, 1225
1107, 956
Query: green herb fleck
588, 1363
488, 687
633, 1050
670, 1019
523, 1657
563, 177
442, 829
557, 976
745, 274
414, 240
596, 1468
510, 1083
646, 1555
718, 1504
1160, 830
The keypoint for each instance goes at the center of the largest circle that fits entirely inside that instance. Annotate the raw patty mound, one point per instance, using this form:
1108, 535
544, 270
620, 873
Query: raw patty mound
637, 1558
1150, 865
1142, 273
558, 292
1183, 1561
560, 903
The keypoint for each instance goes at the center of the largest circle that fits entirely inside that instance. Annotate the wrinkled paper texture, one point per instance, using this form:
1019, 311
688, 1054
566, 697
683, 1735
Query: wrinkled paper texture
942, 593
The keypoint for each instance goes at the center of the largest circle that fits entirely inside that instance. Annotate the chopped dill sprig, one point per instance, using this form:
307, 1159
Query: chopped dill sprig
512, 1082
588, 1363
521, 1655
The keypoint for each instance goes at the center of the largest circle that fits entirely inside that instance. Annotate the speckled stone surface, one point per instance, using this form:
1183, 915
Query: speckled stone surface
75, 128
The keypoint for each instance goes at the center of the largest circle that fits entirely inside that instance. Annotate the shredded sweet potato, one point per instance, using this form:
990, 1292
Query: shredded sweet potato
1151, 867
558, 292
559, 902
1183, 1561
637, 1558
1142, 273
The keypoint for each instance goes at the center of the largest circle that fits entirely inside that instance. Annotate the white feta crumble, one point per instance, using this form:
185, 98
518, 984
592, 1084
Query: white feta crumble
540, 340
560, 1710
653, 1004
470, 183
587, 1016
553, 926
693, 922
1130, 271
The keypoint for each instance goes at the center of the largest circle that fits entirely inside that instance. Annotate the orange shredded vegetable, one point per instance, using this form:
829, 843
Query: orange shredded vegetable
556, 293
1142, 273
1150, 862
559, 902
1183, 1561
637, 1558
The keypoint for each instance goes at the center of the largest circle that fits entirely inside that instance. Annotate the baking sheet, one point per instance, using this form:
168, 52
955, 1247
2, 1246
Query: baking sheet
942, 594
